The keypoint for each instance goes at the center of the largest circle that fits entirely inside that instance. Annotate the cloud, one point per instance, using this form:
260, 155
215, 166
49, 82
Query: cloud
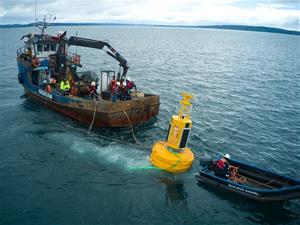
277, 13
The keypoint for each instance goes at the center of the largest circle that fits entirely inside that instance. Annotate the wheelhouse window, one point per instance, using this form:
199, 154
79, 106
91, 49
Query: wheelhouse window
53, 47
43, 75
39, 48
46, 47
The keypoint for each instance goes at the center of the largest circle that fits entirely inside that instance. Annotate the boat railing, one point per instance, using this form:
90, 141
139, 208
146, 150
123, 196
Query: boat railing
42, 58
20, 51
24, 56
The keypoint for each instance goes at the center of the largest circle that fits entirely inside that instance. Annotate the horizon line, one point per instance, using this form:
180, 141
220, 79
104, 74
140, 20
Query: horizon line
258, 28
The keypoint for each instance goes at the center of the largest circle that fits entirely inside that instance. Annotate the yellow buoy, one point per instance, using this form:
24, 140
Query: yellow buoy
173, 155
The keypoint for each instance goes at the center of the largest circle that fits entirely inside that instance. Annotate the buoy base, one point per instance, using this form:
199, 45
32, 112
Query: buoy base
171, 160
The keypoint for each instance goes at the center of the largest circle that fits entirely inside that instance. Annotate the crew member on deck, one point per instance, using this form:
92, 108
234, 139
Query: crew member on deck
29, 52
74, 89
48, 87
222, 167
112, 82
130, 84
65, 86
114, 91
93, 89
123, 91
35, 61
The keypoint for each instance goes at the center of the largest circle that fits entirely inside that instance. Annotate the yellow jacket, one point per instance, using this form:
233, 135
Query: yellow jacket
65, 85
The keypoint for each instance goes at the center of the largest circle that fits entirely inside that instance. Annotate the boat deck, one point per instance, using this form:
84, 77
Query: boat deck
259, 181
250, 181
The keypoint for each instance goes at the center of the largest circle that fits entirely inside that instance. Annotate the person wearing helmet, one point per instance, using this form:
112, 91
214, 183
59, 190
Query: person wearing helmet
93, 89
227, 156
122, 91
129, 83
130, 86
222, 167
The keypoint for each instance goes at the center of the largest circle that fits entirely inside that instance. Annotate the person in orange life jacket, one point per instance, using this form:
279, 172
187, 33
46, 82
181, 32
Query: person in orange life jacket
112, 82
74, 89
130, 84
128, 87
115, 91
52, 84
35, 61
92, 89
222, 167
124, 95
122, 91
48, 87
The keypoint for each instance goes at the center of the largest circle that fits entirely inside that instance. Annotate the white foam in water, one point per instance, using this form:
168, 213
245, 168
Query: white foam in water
125, 156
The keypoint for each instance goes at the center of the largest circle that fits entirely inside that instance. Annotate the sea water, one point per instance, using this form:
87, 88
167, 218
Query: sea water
246, 88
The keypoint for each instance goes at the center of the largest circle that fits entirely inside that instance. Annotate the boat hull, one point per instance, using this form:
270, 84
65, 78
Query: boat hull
282, 193
107, 114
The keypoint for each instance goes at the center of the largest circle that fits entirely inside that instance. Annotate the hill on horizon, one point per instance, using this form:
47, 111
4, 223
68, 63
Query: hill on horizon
224, 27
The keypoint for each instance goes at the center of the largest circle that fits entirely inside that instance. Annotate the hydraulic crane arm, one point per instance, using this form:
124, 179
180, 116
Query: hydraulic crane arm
90, 43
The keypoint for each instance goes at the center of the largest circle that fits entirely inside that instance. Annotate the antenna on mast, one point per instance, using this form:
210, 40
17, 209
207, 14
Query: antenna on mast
34, 24
76, 45
43, 25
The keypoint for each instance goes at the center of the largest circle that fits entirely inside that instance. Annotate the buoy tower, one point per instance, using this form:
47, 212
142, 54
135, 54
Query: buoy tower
173, 155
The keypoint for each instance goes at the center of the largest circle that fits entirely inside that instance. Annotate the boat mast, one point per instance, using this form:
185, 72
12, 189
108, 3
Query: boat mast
34, 23
44, 25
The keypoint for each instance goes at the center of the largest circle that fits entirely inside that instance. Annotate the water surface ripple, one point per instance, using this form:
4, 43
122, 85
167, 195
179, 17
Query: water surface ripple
246, 88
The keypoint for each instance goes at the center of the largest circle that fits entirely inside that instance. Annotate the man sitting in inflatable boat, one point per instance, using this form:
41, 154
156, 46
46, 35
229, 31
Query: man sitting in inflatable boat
222, 166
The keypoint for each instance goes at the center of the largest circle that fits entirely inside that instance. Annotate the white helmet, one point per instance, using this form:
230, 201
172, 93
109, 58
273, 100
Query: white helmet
93, 83
118, 83
124, 84
128, 78
227, 156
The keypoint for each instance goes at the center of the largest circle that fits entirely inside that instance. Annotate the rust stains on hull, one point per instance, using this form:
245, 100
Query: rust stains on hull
108, 114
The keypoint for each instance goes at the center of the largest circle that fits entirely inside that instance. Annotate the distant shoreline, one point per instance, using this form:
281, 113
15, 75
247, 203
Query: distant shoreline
223, 27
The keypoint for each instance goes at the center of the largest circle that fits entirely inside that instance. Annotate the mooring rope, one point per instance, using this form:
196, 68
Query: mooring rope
95, 109
131, 127
91, 134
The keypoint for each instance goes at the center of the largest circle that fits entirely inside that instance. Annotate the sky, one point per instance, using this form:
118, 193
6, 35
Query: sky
275, 13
